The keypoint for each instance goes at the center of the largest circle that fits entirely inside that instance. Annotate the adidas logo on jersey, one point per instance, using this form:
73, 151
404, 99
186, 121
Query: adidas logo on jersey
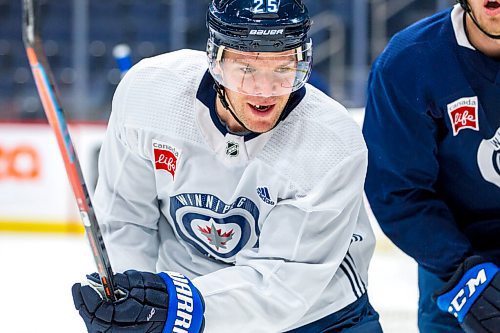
263, 193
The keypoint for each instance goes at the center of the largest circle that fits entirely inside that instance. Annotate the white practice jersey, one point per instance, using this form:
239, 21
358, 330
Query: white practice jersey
270, 228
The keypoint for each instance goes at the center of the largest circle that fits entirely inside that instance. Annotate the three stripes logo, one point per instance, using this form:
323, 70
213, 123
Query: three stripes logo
348, 267
263, 193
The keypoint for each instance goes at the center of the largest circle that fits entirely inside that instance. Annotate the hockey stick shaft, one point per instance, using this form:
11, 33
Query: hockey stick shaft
50, 100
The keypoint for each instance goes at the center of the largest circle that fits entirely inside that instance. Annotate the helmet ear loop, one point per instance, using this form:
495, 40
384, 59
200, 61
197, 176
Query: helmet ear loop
218, 55
303, 54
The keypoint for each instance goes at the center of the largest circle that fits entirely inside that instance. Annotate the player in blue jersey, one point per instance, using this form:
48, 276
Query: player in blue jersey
432, 127
240, 176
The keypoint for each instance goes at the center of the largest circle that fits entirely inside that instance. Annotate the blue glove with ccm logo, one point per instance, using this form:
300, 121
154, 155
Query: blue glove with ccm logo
146, 303
473, 296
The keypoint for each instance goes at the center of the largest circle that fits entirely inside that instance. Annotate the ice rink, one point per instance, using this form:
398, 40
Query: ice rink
38, 271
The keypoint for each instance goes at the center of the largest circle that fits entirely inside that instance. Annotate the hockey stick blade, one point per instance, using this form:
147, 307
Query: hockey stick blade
46, 87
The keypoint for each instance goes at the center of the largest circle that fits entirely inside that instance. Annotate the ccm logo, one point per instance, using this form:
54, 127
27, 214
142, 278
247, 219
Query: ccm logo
266, 32
19, 163
461, 297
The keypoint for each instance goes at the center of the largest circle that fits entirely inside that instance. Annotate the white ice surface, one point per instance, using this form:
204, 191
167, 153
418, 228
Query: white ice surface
37, 272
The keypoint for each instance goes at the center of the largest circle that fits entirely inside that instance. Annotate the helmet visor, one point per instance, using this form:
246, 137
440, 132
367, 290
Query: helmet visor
260, 73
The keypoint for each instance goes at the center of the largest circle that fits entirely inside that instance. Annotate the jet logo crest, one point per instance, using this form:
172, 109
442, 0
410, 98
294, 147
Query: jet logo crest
216, 237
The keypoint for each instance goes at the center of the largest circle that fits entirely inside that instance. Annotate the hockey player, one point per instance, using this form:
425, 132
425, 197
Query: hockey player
242, 178
432, 127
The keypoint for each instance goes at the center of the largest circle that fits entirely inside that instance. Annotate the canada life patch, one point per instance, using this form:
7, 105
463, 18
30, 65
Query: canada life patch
165, 157
463, 114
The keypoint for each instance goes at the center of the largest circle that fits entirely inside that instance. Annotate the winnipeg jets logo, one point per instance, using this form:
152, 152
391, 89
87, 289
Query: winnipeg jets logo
216, 237
463, 114
213, 227
488, 159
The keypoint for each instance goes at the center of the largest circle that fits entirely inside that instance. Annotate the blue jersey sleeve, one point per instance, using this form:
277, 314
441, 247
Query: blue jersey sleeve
401, 132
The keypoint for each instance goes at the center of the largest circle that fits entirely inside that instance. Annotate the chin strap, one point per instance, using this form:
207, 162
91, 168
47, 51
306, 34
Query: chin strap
465, 5
221, 93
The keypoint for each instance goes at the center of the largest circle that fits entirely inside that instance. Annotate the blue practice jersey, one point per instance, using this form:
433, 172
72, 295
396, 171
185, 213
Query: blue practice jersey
432, 127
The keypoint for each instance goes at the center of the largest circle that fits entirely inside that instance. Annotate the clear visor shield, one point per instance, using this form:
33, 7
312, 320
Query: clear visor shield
260, 73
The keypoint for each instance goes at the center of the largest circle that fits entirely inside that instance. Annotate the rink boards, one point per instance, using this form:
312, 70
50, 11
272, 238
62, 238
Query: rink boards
35, 195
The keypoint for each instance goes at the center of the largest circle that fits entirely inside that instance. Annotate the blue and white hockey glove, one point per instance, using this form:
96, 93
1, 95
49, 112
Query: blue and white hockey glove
146, 303
473, 296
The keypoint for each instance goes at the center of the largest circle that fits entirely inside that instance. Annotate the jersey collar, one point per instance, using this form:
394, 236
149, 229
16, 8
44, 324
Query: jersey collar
484, 65
457, 20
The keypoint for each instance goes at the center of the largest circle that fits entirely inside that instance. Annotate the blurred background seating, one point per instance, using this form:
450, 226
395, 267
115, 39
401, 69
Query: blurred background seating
79, 37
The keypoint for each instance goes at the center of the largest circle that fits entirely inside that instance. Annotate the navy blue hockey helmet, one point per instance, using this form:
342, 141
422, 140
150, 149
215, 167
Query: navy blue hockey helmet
258, 25
263, 27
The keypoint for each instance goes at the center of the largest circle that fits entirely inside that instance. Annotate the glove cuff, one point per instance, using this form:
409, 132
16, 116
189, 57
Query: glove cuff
185, 304
460, 298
